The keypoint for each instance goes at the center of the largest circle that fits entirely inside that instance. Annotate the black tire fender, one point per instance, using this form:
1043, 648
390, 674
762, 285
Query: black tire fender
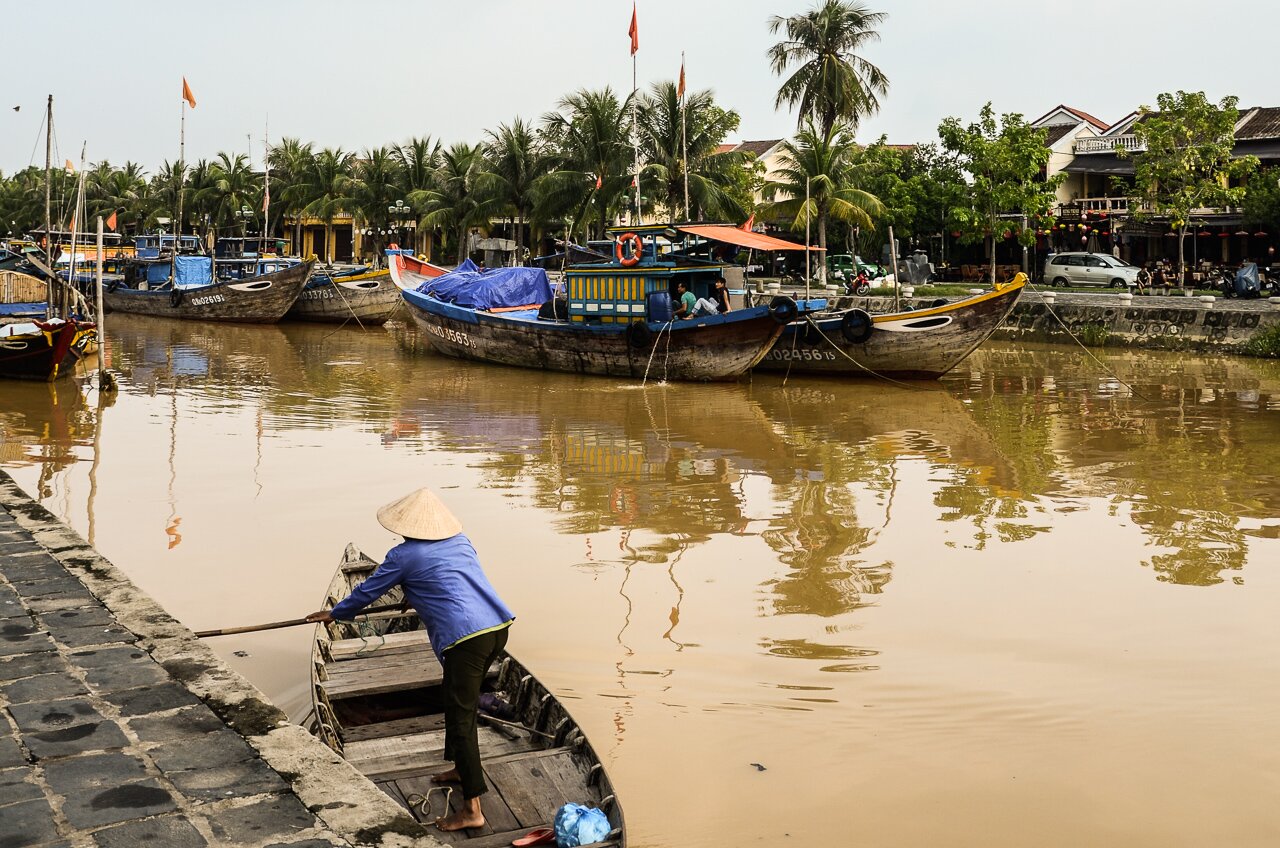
639, 335
175, 298
856, 326
783, 309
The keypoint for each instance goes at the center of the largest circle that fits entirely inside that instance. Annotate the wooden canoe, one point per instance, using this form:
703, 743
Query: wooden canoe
376, 691
257, 300
712, 347
368, 298
408, 271
43, 350
920, 345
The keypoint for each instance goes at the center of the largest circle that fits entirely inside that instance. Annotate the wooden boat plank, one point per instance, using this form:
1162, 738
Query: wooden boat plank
378, 663
395, 727
413, 640
527, 790
379, 681
498, 816
421, 753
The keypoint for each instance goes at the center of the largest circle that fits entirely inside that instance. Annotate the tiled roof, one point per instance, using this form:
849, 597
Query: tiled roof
1055, 134
1084, 116
1264, 124
759, 148
725, 148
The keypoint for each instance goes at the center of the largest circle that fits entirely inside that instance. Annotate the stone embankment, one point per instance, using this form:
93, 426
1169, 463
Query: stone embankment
119, 728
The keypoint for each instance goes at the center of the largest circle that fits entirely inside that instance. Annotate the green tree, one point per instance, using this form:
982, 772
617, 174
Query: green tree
515, 161
1187, 160
327, 188
1262, 199
590, 158
713, 176
232, 187
289, 161
918, 188
818, 181
831, 82
418, 157
376, 188
1005, 164
462, 195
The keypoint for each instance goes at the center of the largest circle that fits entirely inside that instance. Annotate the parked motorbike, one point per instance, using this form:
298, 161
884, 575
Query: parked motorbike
1243, 283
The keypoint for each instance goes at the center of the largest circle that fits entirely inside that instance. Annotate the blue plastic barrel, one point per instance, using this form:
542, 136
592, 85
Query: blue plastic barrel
658, 304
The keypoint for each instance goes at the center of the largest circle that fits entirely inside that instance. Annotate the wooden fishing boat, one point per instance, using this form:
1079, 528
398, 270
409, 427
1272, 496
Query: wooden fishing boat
257, 300
408, 271
366, 296
376, 691
43, 350
616, 319
922, 344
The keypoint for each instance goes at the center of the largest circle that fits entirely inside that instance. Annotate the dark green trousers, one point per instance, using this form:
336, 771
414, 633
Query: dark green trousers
465, 665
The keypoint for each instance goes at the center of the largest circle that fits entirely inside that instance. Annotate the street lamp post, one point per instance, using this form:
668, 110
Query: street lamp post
243, 214
399, 214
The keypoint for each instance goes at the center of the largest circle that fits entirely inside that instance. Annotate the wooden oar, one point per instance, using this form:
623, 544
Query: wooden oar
293, 622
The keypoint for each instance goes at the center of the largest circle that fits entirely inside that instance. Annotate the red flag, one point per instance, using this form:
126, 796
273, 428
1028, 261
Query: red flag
599, 182
111, 221
187, 95
634, 31
749, 223
680, 87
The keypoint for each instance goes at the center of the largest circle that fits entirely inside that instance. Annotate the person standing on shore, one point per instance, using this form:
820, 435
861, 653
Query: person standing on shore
439, 571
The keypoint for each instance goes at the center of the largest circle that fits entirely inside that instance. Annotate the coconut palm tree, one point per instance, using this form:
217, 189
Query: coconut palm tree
831, 82
461, 195
590, 158
418, 157
711, 174
125, 192
376, 187
289, 161
232, 186
326, 190
515, 160
821, 168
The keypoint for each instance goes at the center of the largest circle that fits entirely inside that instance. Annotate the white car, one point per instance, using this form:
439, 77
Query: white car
1089, 269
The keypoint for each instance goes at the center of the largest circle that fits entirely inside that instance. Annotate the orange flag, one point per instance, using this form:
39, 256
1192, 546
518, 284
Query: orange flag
71, 168
187, 95
634, 31
111, 222
680, 87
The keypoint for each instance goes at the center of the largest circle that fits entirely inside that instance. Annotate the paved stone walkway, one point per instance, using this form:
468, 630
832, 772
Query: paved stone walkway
102, 745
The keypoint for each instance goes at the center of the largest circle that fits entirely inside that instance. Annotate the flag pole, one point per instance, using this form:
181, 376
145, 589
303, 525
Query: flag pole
684, 139
635, 134
182, 168
806, 238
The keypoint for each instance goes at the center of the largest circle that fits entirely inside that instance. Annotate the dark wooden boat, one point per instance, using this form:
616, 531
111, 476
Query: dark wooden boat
368, 297
378, 702
256, 300
921, 345
43, 350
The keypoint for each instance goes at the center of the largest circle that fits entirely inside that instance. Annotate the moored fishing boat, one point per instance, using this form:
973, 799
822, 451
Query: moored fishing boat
378, 700
922, 344
43, 349
192, 293
616, 319
359, 294
408, 271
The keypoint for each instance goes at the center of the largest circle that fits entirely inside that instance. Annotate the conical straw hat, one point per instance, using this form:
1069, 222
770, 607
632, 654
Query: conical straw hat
419, 515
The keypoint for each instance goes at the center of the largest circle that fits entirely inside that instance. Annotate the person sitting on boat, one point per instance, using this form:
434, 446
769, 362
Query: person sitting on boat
439, 572
692, 307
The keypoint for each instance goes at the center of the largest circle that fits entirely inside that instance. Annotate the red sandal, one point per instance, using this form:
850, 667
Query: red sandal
537, 836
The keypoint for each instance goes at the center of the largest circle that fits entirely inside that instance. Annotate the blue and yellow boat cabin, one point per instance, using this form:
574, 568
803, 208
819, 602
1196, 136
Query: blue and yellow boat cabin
640, 282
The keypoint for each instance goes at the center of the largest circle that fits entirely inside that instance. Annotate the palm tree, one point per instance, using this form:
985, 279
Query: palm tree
289, 161
199, 201
376, 187
327, 187
591, 158
461, 196
418, 157
711, 174
232, 186
822, 169
515, 161
832, 82
127, 192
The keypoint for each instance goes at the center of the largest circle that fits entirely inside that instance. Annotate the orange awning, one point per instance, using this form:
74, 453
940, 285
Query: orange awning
743, 238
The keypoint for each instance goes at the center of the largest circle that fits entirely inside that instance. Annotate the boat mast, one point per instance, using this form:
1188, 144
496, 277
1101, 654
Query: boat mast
51, 306
75, 223
182, 168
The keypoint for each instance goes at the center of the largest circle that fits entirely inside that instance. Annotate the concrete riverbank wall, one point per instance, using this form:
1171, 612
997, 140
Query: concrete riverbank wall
118, 727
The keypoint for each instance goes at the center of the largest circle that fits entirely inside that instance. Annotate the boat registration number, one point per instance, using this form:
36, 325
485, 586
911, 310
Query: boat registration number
317, 294
207, 299
450, 335
800, 353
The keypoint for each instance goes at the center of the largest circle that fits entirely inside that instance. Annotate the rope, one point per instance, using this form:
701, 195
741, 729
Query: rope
423, 802
345, 302
1049, 308
845, 354
364, 629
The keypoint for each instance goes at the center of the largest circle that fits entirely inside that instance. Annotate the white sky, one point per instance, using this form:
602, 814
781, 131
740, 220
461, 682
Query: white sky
358, 74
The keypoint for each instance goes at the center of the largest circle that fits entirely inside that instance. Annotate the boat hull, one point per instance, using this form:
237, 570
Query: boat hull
409, 272
258, 300
919, 345
47, 354
721, 347
367, 298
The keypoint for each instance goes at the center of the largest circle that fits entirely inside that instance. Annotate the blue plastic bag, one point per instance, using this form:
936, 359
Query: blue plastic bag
578, 825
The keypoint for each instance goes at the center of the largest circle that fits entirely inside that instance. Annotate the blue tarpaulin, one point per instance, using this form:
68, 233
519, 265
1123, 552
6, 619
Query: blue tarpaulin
493, 288
192, 271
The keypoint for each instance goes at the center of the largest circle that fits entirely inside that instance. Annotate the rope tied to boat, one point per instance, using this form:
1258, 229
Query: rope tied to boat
423, 802
364, 632
846, 355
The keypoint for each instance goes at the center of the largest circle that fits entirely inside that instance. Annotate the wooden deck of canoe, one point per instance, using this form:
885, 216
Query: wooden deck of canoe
379, 697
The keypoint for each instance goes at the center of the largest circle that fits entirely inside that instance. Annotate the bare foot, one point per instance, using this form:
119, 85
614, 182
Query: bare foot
450, 776
464, 818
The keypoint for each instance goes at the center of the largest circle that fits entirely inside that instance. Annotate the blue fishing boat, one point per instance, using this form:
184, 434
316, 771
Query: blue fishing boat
616, 318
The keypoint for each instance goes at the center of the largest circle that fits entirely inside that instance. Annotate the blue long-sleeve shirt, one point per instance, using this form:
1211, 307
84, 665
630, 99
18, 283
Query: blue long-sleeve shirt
443, 582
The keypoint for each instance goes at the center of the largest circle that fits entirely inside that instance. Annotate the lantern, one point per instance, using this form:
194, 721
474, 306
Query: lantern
1259, 234
955, 234
1204, 234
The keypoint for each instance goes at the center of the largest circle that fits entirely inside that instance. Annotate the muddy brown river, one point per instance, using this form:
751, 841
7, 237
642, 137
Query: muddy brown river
1033, 604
